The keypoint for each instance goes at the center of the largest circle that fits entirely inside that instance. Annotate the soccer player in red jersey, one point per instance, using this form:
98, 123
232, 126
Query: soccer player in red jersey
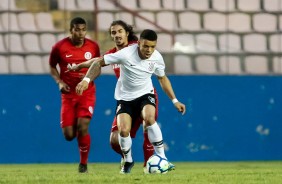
76, 110
123, 35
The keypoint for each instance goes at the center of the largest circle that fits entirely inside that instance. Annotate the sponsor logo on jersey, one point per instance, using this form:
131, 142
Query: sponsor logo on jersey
87, 55
68, 55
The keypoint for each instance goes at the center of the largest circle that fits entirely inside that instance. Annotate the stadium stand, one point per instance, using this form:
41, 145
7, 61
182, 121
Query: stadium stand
206, 64
223, 5
13, 42
229, 42
256, 65
2, 46
10, 21
249, 5
17, 64
199, 5
44, 23
206, 42
4, 65
255, 43
277, 65
34, 64
275, 42
46, 41
26, 22
239, 22
85, 5
262, 19
182, 65
193, 19
176, 5
69, 5
214, 21
9, 5
30, 43
272, 6
150, 5
210, 36
230, 65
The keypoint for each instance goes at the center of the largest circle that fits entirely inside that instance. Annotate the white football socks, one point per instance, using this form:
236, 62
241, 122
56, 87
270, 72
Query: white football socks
156, 138
125, 145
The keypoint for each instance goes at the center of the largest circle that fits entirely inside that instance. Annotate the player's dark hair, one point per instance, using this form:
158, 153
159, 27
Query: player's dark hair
76, 20
127, 28
149, 34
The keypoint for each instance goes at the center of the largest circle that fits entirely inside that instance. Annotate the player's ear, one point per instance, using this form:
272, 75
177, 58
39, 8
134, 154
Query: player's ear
138, 42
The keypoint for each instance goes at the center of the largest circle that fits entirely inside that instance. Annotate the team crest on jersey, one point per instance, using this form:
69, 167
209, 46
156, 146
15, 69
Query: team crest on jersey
152, 100
87, 55
151, 66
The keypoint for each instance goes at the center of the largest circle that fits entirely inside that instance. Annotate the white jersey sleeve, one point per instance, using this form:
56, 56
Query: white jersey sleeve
160, 66
115, 58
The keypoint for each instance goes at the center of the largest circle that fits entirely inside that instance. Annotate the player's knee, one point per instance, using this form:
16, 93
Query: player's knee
69, 137
124, 133
149, 120
82, 129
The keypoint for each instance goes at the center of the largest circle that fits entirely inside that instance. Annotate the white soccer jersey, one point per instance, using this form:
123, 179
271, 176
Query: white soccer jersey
135, 73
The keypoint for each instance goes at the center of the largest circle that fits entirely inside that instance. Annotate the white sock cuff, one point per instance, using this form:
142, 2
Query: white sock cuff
154, 133
125, 142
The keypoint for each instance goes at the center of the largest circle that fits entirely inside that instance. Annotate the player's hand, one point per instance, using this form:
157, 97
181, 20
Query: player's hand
82, 86
63, 87
180, 107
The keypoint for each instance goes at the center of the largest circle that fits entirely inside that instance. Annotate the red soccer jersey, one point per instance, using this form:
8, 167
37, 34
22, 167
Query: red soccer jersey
116, 66
65, 53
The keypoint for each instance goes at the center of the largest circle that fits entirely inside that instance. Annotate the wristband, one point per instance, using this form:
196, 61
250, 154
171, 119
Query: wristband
174, 100
86, 79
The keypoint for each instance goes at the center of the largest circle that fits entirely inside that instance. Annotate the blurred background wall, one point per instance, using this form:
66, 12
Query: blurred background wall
228, 118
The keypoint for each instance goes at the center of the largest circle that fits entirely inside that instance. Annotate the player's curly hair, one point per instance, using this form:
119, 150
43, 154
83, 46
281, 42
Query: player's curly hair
127, 28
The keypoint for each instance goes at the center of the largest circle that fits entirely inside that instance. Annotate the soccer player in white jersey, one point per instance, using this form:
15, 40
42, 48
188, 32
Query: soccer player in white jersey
134, 91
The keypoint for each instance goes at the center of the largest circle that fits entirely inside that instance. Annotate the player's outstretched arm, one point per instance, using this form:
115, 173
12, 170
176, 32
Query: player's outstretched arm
92, 73
167, 88
85, 64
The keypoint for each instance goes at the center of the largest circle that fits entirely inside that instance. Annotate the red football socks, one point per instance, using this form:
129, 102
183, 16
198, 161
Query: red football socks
84, 148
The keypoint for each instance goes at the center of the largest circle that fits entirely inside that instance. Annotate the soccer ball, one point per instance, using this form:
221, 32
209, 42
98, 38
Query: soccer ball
157, 165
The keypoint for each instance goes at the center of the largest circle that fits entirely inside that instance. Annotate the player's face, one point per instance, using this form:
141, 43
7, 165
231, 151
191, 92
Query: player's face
119, 36
78, 33
146, 48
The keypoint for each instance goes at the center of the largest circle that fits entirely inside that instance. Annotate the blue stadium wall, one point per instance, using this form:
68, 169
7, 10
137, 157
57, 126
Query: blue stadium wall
229, 118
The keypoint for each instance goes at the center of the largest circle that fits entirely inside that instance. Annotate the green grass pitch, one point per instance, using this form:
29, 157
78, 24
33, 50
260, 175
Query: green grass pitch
269, 172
